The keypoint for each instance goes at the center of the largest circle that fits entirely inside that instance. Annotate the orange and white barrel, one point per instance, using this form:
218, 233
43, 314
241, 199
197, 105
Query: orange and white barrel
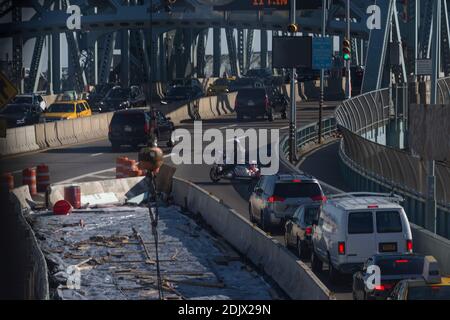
43, 178
29, 179
7, 181
130, 168
121, 167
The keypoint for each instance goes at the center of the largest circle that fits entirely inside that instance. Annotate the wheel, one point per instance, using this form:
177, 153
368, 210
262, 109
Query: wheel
333, 273
265, 225
170, 143
316, 263
284, 115
270, 117
115, 147
300, 251
251, 217
213, 175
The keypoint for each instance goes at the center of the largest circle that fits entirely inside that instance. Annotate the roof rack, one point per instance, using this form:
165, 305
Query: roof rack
391, 196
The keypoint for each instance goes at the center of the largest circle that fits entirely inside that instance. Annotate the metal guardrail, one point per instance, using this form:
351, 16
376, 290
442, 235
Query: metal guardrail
368, 165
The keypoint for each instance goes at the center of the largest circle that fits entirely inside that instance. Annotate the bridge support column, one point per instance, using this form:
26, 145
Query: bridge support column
217, 51
125, 59
264, 48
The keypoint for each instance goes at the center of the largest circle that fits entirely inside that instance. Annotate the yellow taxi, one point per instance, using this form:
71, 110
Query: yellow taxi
220, 86
65, 110
420, 289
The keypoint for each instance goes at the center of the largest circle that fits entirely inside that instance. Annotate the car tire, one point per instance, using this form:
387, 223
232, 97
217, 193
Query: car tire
170, 143
115, 147
316, 263
264, 223
270, 117
301, 250
284, 115
333, 273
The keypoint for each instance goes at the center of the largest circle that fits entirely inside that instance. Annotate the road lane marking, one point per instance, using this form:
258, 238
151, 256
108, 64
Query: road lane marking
227, 127
96, 154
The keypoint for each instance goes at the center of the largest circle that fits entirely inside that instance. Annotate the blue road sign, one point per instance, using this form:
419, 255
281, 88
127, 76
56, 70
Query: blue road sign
322, 52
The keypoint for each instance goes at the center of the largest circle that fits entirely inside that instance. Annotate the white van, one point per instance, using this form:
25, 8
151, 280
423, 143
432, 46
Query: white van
354, 226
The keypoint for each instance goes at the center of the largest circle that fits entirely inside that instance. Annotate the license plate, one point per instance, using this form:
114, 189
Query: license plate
388, 247
251, 103
127, 129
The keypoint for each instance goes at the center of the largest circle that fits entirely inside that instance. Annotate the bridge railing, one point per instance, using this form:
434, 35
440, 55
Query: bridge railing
368, 165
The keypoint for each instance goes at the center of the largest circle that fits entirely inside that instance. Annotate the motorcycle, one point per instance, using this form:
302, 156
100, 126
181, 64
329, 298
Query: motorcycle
239, 172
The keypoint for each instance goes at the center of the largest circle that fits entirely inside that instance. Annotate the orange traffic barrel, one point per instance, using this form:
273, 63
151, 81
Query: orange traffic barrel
121, 167
43, 178
29, 179
72, 194
7, 181
130, 168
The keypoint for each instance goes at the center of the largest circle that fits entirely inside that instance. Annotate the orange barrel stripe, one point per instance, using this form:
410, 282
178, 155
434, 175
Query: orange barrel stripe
7, 181
29, 179
43, 177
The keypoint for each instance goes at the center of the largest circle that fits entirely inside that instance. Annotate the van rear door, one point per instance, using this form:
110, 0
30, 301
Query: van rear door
361, 239
389, 232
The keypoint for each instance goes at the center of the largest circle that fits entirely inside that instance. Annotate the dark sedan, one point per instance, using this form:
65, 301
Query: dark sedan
393, 268
121, 99
185, 93
17, 115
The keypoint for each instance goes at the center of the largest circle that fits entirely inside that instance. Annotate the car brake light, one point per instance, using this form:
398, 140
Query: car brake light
341, 248
380, 288
273, 199
297, 181
308, 231
319, 198
402, 261
372, 206
409, 245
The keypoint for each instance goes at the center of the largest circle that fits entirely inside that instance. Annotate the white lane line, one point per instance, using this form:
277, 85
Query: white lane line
284, 128
96, 154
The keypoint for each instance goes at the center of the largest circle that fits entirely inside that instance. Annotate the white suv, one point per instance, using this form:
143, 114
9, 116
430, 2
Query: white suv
354, 226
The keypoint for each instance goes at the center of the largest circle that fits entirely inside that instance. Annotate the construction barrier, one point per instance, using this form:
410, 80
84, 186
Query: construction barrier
51, 135
65, 132
7, 181
29, 179
43, 177
40, 135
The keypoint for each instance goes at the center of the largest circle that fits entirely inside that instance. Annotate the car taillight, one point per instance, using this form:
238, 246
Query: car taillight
402, 261
409, 245
273, 199
319, 198
341, 248
383, 287
308, 231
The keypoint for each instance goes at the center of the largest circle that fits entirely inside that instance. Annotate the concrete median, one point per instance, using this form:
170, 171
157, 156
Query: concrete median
51, 135
66, 135
7, 146
281, 265
40, 135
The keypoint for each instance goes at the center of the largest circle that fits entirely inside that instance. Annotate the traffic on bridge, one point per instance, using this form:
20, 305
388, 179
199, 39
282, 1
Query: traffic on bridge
225, 150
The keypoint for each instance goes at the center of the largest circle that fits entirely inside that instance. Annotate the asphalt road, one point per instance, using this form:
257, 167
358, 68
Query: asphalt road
95, 160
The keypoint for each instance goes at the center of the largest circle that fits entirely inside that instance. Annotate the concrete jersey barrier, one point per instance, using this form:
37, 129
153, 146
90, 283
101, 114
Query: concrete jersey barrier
281, 265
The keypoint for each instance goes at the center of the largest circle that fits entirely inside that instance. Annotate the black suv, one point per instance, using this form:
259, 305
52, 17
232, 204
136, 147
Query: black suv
253, 103
133, 127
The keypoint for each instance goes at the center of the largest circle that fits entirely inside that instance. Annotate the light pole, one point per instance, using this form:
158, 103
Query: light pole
322, 71
348, 90
292, 125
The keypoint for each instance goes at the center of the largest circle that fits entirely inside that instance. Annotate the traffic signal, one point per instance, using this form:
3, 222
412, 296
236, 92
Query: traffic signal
293, 28
346, 50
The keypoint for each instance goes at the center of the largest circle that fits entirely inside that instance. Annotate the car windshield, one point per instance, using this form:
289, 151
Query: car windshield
360, 223
11, 109
61, 108
178, 91
393, 266
389, 222
119, 93
311, 214
429, 293
296, 190
23, 99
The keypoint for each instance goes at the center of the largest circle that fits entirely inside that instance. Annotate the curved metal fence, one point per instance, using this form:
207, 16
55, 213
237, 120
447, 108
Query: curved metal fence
380, 167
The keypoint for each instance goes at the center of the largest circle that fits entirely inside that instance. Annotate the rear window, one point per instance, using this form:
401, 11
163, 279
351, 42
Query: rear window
400, 266
360, 223
389, 222
128, 119
297, 190
429, 293
251, 94
311, 214
61, 108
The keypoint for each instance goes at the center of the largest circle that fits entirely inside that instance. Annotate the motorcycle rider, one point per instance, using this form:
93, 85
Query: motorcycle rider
230, 164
